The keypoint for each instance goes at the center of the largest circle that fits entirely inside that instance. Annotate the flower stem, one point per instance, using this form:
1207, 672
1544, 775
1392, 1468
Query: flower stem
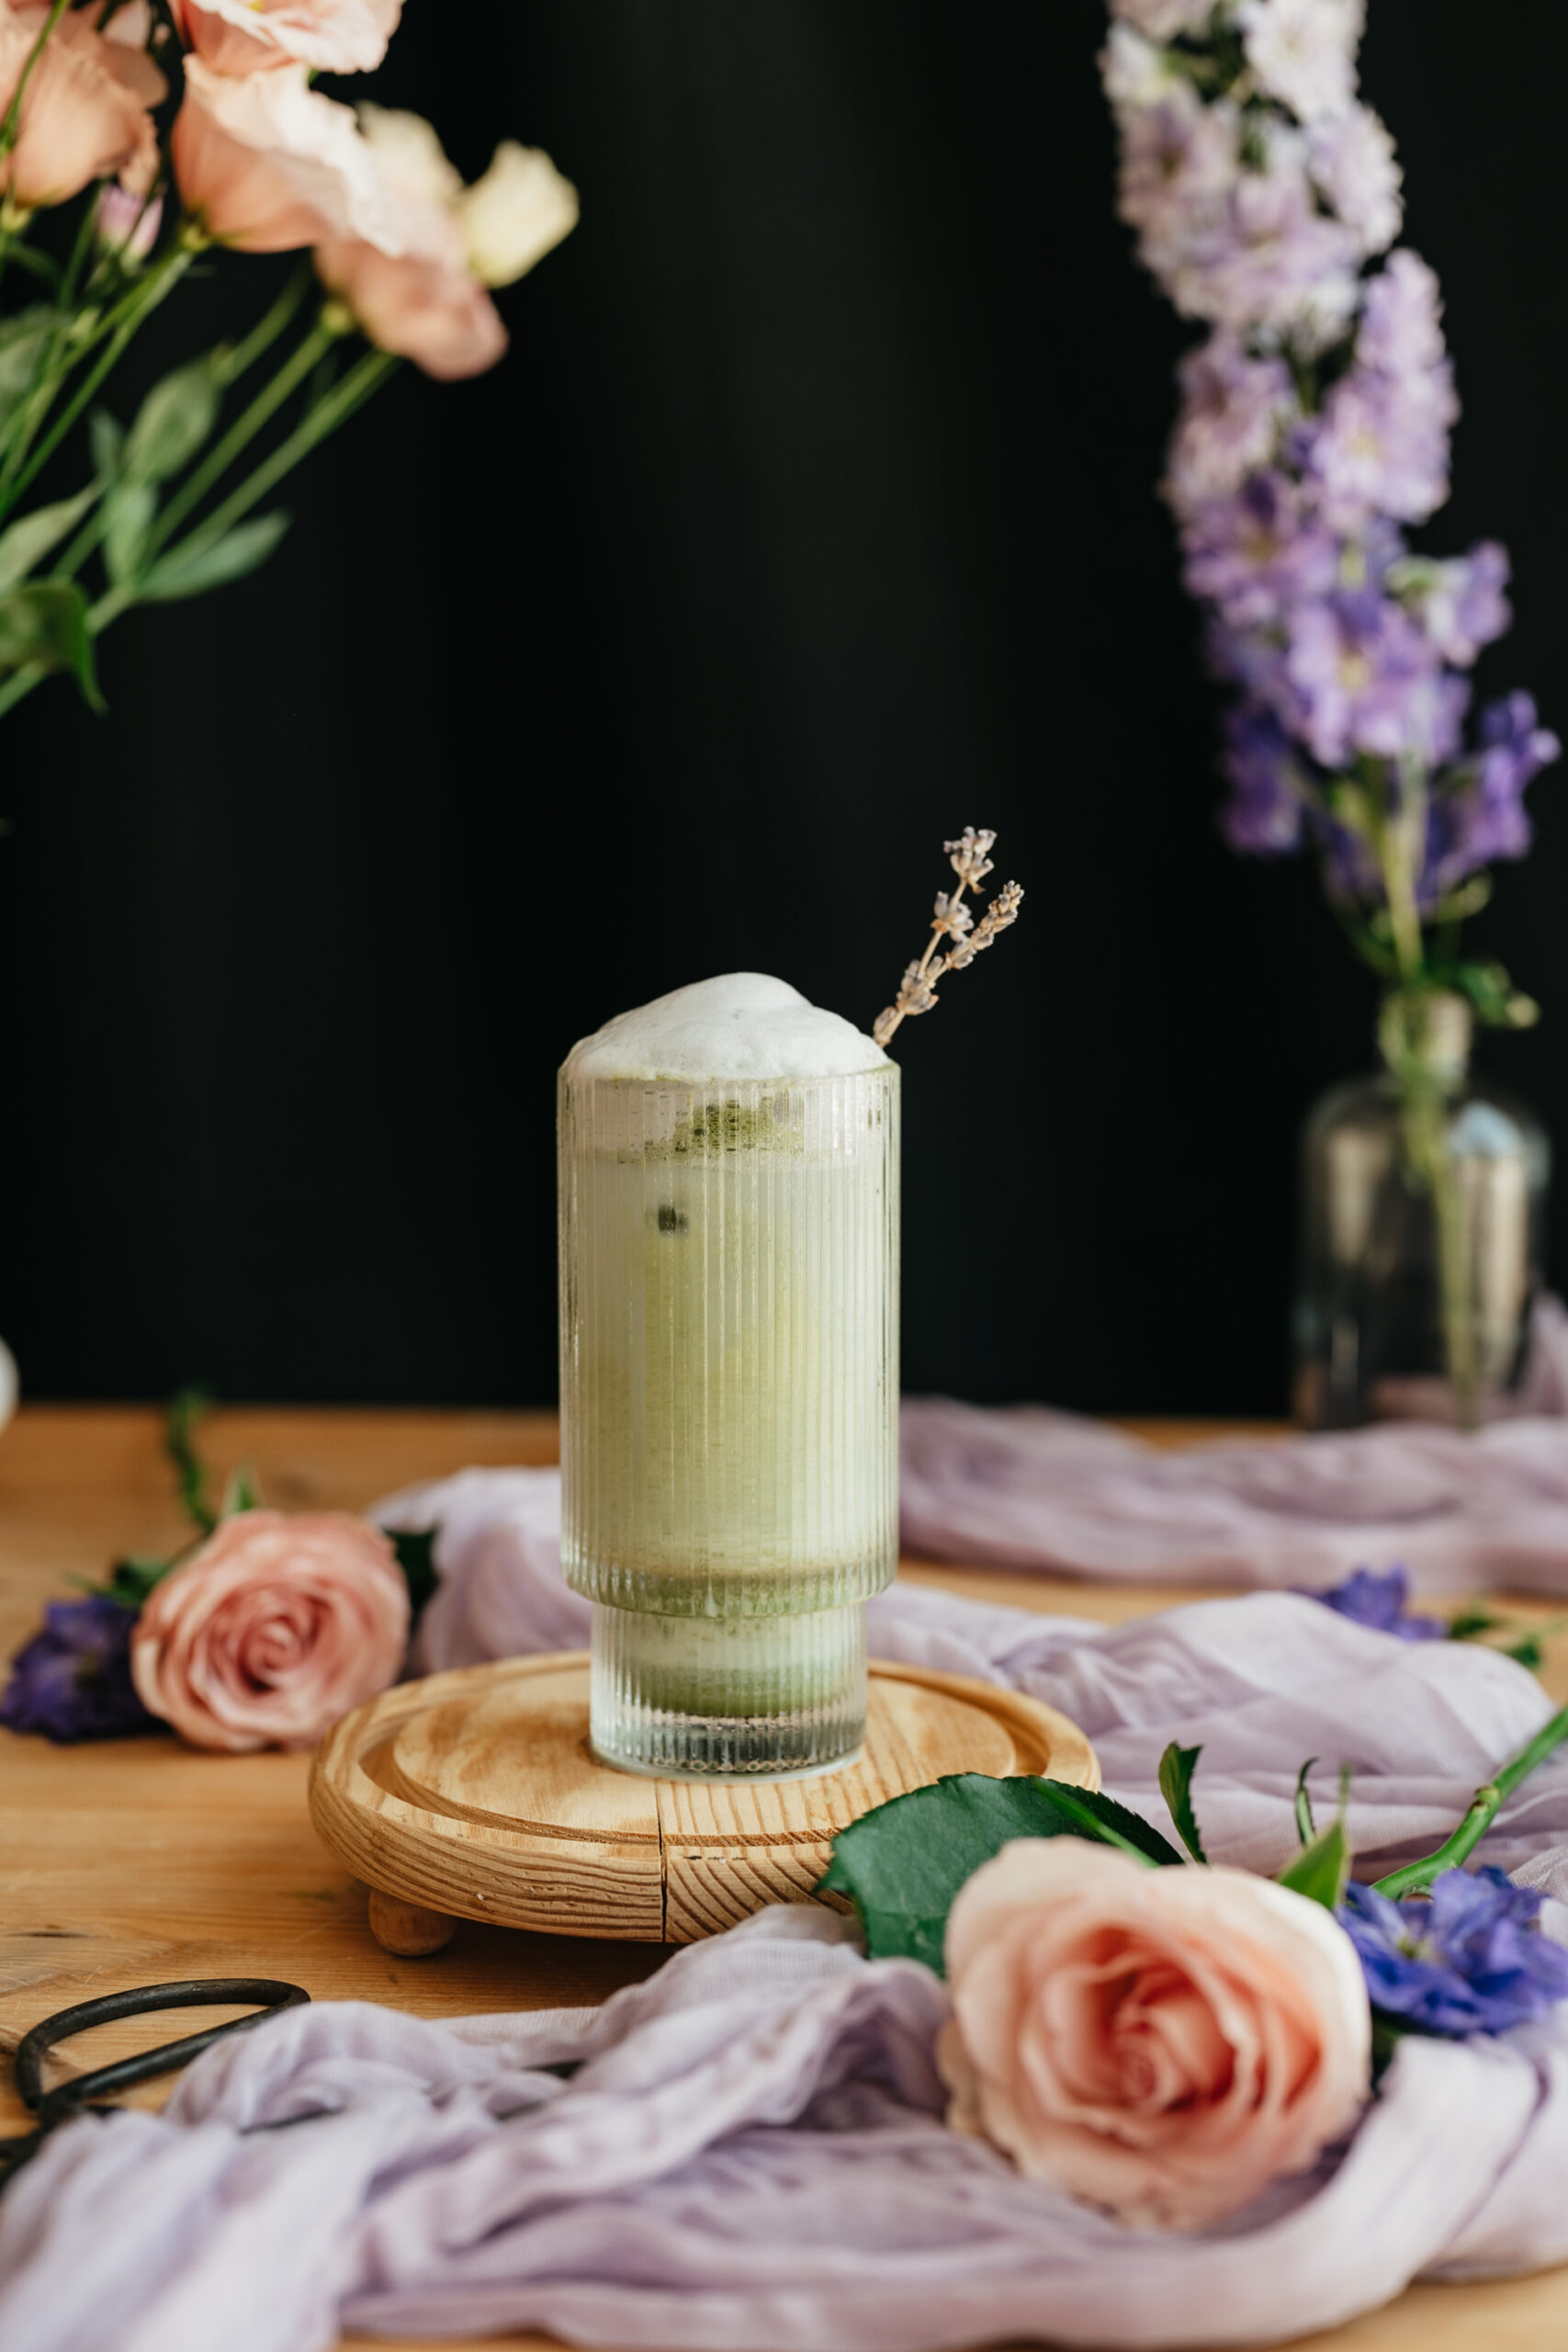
1483, 1811
217, 463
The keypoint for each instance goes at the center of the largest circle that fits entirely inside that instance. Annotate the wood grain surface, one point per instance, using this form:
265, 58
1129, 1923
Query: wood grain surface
133, 1860
475, 1794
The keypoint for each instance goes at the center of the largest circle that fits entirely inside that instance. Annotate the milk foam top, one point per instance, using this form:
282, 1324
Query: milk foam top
738, 1025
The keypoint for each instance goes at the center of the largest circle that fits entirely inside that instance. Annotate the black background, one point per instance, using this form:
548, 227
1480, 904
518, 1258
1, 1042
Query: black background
810, 518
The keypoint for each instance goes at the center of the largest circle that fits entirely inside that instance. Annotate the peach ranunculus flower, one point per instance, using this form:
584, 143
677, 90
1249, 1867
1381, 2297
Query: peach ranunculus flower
264, 162
85, 111
1163, 2043
249, 36
427, 301
279, 1624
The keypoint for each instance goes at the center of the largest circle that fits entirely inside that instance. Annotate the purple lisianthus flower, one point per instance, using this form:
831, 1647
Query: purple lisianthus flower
1363, 677
1259, 551
73, 1680
1378, 1599
1467, 1958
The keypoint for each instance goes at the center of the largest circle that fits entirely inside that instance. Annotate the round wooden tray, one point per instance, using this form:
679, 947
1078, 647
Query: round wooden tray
473, 1795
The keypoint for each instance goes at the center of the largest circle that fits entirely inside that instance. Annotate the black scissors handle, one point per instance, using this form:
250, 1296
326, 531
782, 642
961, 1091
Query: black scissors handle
84, 2091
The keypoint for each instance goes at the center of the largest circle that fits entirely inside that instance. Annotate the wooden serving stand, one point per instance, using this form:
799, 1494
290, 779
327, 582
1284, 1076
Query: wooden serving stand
474, 1795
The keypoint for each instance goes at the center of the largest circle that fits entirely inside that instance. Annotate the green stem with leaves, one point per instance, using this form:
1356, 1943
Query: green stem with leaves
217, 462
1425, 1088
1483, 1810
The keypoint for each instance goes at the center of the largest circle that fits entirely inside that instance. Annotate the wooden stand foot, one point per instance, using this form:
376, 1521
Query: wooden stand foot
405, 1928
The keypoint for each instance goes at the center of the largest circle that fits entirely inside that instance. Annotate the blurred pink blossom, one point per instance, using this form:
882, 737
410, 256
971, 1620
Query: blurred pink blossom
267, 164
249, 36
84, 112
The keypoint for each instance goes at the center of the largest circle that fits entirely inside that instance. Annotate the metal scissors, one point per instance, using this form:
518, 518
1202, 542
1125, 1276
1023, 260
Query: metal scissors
84, 2094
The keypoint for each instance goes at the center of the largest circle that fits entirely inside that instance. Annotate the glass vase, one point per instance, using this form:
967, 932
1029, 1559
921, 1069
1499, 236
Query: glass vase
729, 1390
1424, 1194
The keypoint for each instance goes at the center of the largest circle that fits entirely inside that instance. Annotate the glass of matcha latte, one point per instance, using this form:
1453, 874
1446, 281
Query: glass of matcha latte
729, 1374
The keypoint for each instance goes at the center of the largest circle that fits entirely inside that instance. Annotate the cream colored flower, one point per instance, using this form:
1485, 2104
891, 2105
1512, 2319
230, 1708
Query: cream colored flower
515, 215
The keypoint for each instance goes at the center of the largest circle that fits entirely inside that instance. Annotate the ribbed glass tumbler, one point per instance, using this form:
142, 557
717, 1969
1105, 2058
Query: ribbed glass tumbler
729, 1390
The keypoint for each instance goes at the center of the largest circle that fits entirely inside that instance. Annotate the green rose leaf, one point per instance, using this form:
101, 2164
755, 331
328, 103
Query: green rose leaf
1306, 1827
415, 1548
1177, 1766
902, 1864
172, 422
44, 626
29, 540
214, 565
132, 1579
241, 1493
1319, 1870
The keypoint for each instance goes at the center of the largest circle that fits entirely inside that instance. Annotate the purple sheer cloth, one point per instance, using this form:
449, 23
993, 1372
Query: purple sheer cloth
749, 2151
1026, 1487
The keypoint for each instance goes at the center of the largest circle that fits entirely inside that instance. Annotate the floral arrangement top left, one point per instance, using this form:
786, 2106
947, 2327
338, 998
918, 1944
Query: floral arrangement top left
175, 127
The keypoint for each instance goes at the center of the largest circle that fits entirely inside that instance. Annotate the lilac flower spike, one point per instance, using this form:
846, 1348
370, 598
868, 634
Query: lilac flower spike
73, 1680
1314, 429
1379, 1600
1468, 1958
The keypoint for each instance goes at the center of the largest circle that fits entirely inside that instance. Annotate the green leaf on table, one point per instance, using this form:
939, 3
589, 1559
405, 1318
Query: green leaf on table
1526, 1651
44, 626
172, 422
902, 1864
1319, 1870
25, 544
415, 1548
132, 1579
1306, 1827
213, 565
1177, 1766
241, 1493
1469, 1625
127, 520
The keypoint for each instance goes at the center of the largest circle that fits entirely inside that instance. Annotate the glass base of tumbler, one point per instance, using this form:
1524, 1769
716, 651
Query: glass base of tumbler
727, 1698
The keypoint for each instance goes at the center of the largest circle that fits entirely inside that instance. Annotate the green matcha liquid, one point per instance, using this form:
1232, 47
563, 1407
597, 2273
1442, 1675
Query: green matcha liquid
729, 1408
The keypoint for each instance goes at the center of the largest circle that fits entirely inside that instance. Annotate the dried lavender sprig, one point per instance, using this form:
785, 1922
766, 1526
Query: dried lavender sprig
970, 858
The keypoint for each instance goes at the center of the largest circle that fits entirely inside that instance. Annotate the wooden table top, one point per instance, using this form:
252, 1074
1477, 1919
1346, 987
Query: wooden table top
130, 1861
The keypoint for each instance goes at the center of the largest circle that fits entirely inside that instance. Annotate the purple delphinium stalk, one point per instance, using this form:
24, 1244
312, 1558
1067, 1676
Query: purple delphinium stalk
1379, 1599
1313, 430
73, 1680
1467, 1958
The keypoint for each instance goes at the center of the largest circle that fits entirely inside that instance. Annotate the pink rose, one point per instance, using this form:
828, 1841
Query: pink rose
1163, 2043
85, 108
274, 1628
249, 36
266, 162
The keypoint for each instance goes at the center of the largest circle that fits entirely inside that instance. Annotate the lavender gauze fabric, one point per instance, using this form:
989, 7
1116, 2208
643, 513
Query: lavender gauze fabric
751, 2152
1027, 1488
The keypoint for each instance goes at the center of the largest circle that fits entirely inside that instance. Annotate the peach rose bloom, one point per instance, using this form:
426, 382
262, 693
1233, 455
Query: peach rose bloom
249, 36
279, 1624
420, 299
267, 164
85, 110
1162, 2042
434, 312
